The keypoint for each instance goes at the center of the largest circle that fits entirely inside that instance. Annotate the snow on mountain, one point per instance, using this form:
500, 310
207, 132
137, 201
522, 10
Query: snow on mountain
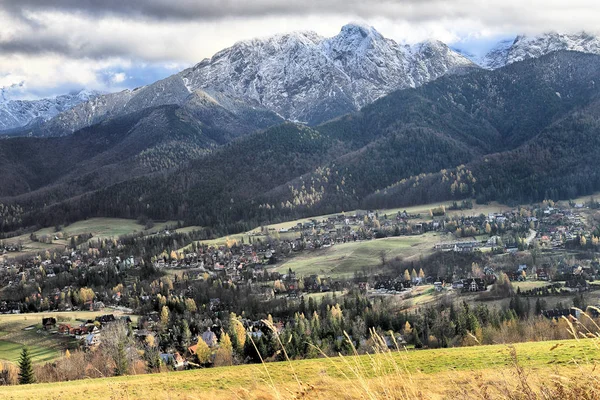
307, 78
19, 113
524, 47
300, 76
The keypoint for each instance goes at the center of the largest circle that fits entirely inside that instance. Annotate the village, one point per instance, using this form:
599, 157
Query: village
528, 246
541, 231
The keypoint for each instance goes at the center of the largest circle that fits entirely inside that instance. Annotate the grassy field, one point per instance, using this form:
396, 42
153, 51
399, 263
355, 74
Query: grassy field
20, 330
528, 285
188, 229
320, 296
435, 374
342, 260
422, 209
103, 228
11, 351
584, 199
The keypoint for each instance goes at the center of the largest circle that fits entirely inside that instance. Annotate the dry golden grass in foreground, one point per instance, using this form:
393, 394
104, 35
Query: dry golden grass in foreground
542, 370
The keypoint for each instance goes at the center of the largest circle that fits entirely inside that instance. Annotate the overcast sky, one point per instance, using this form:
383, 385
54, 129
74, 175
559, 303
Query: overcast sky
50, 47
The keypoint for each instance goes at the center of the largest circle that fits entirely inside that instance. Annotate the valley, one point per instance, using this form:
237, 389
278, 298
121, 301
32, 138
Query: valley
296, 215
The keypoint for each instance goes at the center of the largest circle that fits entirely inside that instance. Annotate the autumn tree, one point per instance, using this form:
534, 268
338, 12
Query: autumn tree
224, 355
476, 271
190, 305
237, 332
164, 315
203, 352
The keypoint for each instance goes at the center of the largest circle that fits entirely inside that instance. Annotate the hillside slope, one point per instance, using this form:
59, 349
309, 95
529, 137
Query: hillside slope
431, 373
290, 171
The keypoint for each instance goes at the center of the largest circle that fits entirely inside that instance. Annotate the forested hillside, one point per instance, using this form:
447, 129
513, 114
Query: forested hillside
524, 132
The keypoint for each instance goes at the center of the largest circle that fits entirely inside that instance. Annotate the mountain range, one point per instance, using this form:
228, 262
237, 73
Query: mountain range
19, 113
184, 148
299, 76
525, 47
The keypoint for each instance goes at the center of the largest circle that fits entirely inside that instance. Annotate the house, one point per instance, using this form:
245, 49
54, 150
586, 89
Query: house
92, 339
559, 313
209, 338
257, 334
439, 286
49, 323
474, 285
104, 319
193, 349
457, 285
394, 342
577, 283
542, 274
176, 360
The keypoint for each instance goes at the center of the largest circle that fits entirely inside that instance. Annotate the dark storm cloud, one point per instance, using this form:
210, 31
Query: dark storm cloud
33, 43
221, 9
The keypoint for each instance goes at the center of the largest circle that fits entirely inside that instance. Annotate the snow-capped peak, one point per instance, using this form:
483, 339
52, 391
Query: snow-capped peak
308, 78
359, 29
19, 113
300, 76
524, 47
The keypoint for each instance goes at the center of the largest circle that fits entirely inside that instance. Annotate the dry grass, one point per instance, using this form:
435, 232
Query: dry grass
528, 371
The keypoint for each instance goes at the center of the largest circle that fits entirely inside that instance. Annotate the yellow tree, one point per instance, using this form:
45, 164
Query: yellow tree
86, 294
237, 331
407, 328
488, 228
202, 352
164, 315
224, 355
150, 341
476, 271
190, 305
406, 275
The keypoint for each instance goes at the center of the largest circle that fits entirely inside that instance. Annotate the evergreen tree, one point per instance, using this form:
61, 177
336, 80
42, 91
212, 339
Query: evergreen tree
152, 357
418, 343
26, 374
186, 334
538, 307
121, 363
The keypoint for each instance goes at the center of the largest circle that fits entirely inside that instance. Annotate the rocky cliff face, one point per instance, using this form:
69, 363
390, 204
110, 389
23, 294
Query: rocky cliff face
299, 76
310, 79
